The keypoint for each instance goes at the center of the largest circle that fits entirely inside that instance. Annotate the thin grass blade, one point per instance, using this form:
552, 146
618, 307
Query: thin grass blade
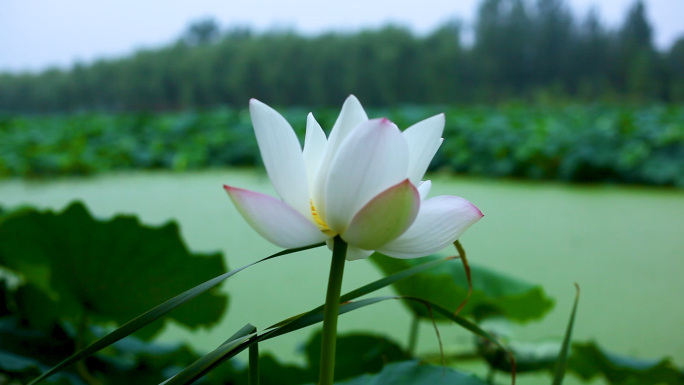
207, 363
245, 331
241, 335
309, 318
563, 354
227, 351
373, 286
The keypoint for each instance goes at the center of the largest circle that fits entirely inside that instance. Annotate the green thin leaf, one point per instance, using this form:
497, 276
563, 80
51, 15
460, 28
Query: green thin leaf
563, 355
205, 364
375, 285
245, 331
155, 313
225, 352
230, 350
303, 320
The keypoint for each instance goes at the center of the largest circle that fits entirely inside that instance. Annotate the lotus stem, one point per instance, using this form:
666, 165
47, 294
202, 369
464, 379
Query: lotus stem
331, 311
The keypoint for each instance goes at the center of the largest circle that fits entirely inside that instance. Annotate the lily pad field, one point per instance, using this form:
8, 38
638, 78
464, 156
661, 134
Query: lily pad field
641, 144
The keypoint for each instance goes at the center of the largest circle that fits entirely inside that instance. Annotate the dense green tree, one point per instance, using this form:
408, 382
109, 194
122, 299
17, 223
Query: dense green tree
590, 62
637, 57
203, 32
448, 76
552, 43
501, 48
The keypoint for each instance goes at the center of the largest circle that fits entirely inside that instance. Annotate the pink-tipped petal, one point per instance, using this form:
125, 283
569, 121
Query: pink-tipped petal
351, 116
440, 222
424, 139
384, 218
274, 219
373, 158
282, 156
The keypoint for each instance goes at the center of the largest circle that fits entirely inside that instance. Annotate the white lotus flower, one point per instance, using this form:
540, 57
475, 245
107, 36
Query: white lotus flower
360, 184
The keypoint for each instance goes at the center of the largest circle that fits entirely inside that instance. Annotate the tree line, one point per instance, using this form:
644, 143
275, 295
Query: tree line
520, 50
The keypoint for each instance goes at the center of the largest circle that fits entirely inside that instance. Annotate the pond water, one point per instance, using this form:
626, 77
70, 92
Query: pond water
623, 245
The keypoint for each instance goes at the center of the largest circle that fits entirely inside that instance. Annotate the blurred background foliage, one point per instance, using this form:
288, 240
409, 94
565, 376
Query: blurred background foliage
517, 50
576, 143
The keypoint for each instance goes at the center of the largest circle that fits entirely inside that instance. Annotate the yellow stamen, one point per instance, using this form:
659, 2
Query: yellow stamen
319, 222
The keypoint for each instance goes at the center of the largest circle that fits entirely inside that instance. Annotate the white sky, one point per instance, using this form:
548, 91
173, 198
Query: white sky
36, 34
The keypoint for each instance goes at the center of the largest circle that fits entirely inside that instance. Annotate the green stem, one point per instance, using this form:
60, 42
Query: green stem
254, 365
331, 311
413, 336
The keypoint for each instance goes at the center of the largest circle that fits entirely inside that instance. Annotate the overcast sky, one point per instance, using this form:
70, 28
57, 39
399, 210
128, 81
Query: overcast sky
36, 34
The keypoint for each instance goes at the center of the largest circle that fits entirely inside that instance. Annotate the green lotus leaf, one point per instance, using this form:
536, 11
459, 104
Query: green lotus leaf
494, 294
588, 360
105, 271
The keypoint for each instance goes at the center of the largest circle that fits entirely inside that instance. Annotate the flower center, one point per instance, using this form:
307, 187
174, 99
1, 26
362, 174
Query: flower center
319, 222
